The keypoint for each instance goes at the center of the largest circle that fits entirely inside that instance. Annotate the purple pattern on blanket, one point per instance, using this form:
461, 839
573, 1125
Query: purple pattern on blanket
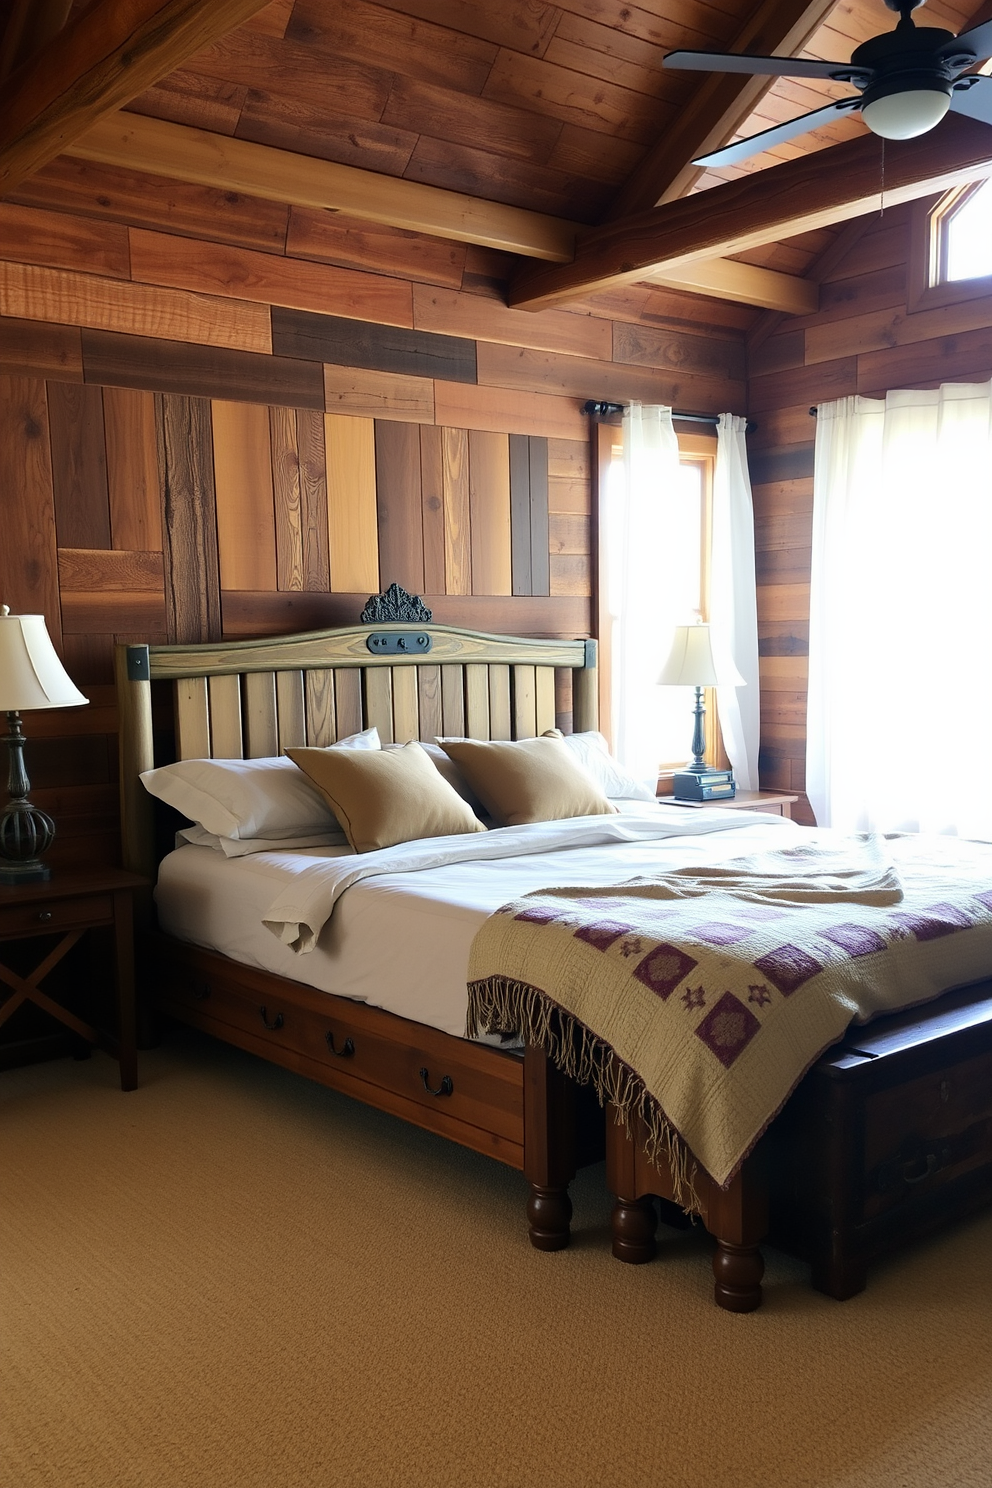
788, 967
985, 898
602, 933
720, 934
728, 1028
663, 968
933, 922
539, 914
856, 940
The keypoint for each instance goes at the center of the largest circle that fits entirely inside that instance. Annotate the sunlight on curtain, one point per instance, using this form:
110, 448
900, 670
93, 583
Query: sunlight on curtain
900, 683
733, 601
645, 599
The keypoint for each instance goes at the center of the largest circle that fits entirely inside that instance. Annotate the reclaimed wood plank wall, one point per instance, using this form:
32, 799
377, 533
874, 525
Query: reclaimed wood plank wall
222, 416
872, 333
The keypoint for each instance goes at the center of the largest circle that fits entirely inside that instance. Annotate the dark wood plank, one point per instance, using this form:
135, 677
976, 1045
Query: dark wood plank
60, 241
192, 565
675, 350
520, 533
200, 371
539, 542
133, 469
399, 505
79, 465
28, 566
29, 348
383, 38
315, 127
357, 343
313, 498
350, 243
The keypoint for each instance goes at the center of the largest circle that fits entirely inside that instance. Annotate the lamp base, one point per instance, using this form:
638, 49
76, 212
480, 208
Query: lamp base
704, 785
21, 873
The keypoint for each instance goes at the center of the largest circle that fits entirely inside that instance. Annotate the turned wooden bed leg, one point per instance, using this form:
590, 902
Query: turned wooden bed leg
549, 1150
634, 1224
738, 1270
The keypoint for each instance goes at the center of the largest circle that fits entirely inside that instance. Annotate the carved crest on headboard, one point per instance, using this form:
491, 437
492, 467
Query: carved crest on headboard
395, 604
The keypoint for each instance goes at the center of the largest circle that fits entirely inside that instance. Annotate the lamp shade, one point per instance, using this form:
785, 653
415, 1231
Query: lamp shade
31, 675
691, 662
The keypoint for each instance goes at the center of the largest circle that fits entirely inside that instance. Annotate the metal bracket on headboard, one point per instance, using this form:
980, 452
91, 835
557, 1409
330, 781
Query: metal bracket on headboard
592, 649
399, 643
138, 664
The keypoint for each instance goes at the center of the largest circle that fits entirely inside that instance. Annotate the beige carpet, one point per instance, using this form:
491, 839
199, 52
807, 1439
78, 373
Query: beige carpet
233, 1278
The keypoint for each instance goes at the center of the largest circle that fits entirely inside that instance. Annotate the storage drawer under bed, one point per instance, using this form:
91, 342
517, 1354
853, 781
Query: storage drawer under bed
469, 1092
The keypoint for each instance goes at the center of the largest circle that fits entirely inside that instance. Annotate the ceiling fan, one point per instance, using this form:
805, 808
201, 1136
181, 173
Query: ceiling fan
907, 80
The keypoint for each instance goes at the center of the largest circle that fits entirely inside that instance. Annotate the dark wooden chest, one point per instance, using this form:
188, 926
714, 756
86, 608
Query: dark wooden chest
888, 1137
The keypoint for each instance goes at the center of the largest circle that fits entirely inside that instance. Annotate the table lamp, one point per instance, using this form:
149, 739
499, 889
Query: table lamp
31, 676
691, 664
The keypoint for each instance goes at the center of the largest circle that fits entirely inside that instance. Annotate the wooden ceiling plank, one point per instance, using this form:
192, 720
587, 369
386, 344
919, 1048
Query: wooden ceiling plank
720, 105
745, 284
109, 54
814, 191
165, 149
32, 24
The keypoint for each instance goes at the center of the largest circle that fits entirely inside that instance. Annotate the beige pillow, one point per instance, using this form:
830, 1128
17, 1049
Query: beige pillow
386, 796
531, 780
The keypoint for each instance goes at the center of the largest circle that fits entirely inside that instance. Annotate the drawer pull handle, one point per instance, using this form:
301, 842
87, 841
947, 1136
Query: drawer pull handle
930, 1166
44, 914
445, 1088
265, 1019
346, 1050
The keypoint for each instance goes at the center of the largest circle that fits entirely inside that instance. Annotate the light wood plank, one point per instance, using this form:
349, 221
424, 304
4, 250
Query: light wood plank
489, 500
524, 702
110, 53
226, 738
453, 700
163, 149
506, 411
245, 505
378, 688
348, 703
291, 711
321, 719
429, 701
455, 313
32, 293
500, 726
406, 709
352, 520
392, 395
545, 687
260, 717
477, 701
192, 718
457, 520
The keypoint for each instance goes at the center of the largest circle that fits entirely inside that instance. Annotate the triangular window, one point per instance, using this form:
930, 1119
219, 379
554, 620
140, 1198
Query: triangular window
961, 235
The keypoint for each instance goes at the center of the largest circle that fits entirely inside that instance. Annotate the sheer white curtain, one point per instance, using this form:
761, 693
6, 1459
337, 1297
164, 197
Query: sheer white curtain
733, 602
642, 630
900, 685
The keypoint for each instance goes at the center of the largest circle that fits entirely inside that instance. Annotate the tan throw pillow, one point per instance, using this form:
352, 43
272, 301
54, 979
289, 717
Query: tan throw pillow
529, 781
386, 796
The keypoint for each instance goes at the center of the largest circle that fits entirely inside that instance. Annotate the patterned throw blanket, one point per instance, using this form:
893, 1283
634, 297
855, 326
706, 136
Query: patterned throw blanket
699, 999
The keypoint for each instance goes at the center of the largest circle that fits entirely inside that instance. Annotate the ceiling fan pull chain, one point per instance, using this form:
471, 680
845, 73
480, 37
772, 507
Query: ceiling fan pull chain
881, 194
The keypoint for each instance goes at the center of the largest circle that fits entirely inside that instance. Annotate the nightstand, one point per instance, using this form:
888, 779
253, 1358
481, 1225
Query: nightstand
68, 906
777, 802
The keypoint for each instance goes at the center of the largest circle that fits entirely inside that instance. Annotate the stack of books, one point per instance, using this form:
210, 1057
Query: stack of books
714, 785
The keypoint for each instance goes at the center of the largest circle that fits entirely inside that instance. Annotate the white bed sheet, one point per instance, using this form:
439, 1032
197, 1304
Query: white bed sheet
401, 941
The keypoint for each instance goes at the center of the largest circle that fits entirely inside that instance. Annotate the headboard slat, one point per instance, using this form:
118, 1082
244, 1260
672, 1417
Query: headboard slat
348, 703
524, 702
429, 700
321, 709
453, 700
291, 710
406, 710
260, 720
379, 701
226, 736
545, 698
499, 702
477, 701
192, 718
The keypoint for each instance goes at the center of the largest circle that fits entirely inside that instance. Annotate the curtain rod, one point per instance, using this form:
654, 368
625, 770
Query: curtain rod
606, 410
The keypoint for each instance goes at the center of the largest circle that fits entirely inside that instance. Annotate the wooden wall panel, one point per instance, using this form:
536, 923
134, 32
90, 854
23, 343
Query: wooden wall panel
28, 564
79, 466
399, 505
489, 503
352, 519
246, 535
133, 469
192, 565
457, 515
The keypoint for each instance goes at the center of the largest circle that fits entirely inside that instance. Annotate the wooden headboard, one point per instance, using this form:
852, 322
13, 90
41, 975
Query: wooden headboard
249, 699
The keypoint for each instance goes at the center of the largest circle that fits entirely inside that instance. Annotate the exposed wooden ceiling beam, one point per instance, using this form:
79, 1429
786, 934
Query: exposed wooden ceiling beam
185, 154
744, 283
109, 54
719, 105
809, 192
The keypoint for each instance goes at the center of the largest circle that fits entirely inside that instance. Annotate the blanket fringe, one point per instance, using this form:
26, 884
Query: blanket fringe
502, 1005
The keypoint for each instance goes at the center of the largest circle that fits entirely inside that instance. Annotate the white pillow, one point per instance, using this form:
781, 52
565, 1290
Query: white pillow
268, 798
593, 753
241, 847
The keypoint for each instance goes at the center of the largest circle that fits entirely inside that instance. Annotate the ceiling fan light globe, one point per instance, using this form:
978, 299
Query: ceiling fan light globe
898, 116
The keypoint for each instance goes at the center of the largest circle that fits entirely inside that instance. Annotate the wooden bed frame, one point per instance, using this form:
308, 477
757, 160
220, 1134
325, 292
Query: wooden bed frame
250, 699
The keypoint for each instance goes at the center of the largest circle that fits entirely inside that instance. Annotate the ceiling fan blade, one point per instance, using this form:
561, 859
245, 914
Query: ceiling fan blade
777, 135
770, 66
975, 102
978, 41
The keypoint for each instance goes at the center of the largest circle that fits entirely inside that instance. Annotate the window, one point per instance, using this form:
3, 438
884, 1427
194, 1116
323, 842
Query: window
961, 234
684, 592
